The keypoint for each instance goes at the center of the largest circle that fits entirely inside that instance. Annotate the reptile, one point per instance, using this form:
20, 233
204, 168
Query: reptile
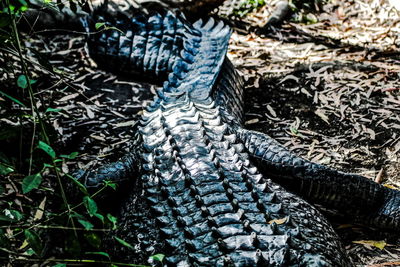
203, 190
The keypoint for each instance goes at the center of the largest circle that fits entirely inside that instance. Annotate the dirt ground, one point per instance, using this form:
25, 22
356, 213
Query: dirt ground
329, 91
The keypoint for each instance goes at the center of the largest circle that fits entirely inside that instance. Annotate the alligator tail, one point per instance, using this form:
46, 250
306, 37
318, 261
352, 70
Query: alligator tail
196, 70
138, 43
370, 203
228, 94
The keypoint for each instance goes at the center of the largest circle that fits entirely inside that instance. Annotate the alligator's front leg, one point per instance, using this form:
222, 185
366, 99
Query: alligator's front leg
351, 194
123, 169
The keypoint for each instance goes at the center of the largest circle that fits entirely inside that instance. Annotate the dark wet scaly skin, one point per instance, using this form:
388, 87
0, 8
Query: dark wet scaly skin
196, 195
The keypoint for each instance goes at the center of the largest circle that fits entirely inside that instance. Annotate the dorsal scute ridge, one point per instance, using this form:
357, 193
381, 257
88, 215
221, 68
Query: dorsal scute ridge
183, 105
203, 58
169, 20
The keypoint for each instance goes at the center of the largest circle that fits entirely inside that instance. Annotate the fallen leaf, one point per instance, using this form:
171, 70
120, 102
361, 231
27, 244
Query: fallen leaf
89, 112
96, 137
252, 121
271, 111
278, 221
371, 243
344, 226
24, 244
320, 113
68, 97
391, 186
389, 263
40, 210
289, 77
125, 124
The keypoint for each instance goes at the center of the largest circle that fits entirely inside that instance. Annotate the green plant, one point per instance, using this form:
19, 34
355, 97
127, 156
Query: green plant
248, 6
33, 194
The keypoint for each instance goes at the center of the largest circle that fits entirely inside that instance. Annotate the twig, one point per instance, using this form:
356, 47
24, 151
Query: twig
393, 263
35, 111
54, 227
70, 261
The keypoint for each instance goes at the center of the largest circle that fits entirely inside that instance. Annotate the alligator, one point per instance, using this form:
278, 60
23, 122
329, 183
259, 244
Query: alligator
203, 190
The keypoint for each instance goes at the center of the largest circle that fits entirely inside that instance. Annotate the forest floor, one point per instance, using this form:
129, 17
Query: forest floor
329, 91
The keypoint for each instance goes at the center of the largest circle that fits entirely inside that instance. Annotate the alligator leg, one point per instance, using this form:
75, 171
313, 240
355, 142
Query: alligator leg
352, 194
123, 169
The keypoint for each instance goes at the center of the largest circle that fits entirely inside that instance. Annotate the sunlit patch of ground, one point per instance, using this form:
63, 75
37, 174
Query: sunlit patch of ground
335, 105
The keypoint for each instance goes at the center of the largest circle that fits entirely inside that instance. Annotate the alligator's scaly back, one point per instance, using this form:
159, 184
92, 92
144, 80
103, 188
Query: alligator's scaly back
212, 205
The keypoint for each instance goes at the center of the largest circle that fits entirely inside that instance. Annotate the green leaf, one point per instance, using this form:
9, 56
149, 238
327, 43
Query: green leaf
34, 241
12, 99
23, 2
53, 110
60, 265
111, 184
58, 71
103, 25
93, 239
12, 8
98, 25
90, 205
70, 156
76, 215
105, 254
123, 242
2, 190
294, 130
5, 169
23, 8
381, 244
17, 215
48, 149
31, 182
22, 81
158, 257
113, 220
46, 165
311, 19
73, 155
29, 252
101, 217
81, 187
86, 224
12, 215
